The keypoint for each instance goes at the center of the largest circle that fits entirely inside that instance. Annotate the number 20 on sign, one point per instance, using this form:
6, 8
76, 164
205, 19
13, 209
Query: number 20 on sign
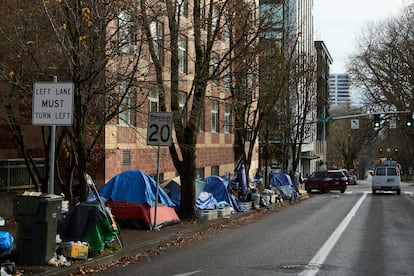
159, 130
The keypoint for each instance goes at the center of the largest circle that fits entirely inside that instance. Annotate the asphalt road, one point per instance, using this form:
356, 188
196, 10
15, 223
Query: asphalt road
355, 233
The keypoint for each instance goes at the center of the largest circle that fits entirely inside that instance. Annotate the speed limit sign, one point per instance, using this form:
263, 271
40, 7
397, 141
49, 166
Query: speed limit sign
159, 129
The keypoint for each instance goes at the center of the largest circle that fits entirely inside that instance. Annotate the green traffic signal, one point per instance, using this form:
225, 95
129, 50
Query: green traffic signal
409, 121
377, 120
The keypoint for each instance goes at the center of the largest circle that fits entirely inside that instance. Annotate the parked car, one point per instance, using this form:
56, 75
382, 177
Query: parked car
325, 181
386, 178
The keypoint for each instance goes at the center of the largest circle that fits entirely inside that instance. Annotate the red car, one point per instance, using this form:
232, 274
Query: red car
326, 181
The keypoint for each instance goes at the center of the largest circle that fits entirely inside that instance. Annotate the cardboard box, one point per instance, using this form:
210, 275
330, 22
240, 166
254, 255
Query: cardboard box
75, 250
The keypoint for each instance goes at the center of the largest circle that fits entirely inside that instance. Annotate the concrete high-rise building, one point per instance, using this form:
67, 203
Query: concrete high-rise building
339, 93
291, 34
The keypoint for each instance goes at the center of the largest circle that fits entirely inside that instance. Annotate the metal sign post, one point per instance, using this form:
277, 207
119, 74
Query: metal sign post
159, 133
52, 106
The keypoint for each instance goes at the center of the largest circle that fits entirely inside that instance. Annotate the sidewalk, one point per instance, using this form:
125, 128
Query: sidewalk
140, 243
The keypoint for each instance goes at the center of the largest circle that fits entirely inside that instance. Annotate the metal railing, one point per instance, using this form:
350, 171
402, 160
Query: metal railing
14, 174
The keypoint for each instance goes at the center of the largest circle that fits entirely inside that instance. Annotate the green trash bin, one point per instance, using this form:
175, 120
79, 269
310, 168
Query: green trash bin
37, 219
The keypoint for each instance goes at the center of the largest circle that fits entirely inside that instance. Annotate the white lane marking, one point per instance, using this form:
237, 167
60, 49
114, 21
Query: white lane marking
188, 273
323, 252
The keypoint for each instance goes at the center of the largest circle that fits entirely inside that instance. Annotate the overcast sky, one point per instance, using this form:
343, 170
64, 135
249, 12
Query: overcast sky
339, 23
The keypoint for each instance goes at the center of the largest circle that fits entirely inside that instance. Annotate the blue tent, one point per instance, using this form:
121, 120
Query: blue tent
134, 186
283, 183
131, 196
218, 187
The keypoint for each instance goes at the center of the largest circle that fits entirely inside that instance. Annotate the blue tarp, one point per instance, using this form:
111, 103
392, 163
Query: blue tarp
241, 176
134, 186
218, 187
206, 201
283, 183
6, 243
173, 189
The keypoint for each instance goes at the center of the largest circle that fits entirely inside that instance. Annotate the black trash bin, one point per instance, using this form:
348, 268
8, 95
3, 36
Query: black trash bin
37, 218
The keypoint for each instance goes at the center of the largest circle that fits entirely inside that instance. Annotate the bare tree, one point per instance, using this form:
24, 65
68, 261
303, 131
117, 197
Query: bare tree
288, 91
346, 146
93, 44
224, 36
382, 67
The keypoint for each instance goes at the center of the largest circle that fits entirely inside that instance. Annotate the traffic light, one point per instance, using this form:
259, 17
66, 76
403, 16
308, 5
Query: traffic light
396, 150
377, 120
380, 150
409, 120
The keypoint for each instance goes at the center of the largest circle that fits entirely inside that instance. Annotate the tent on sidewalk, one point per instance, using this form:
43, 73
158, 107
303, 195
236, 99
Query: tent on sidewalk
131, 196
88, 222
173, 189
283, 183
222, 192
218, 187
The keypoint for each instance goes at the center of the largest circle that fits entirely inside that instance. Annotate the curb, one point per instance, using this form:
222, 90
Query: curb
135, 249
131, 250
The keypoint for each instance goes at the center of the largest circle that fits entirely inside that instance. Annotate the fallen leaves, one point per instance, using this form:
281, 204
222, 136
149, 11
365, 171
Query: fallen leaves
179, 242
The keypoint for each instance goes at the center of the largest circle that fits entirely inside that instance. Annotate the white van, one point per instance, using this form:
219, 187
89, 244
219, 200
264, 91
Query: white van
386, 178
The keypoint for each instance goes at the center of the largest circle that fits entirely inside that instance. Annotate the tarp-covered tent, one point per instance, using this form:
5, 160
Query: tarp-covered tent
88, 222
218, 187
283, 183
173, 189
221, 191
131, 197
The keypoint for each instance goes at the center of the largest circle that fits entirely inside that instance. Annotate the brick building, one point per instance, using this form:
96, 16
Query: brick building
123, 143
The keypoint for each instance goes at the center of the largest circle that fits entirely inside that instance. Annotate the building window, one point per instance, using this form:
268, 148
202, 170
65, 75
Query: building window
215, 170
214, 116
214, 18
227, 79
126, 110
182, 99
154, 176
227, 118
182, 7
182, 54
127, 33
199, 173
126, 157
227, 34
203, 13
153, 100
202, 124
157, 35
214, 67
249, 134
